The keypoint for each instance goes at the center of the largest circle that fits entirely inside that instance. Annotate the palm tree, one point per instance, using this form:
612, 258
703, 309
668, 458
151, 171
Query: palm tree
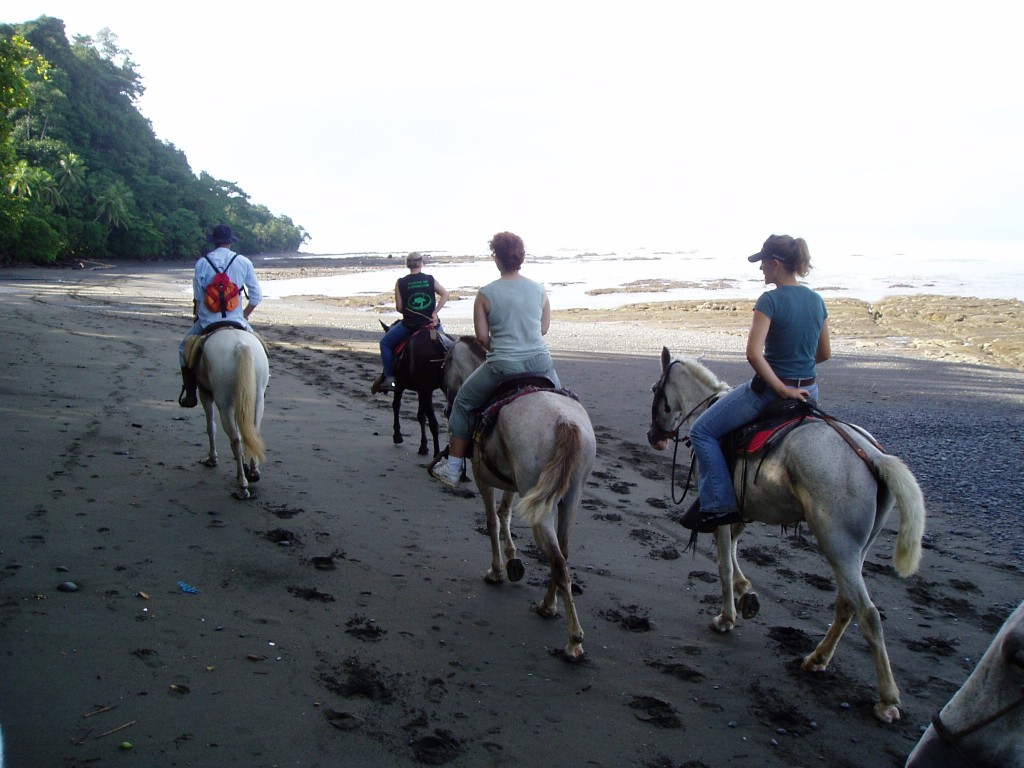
19, 180
72, 173
113, 204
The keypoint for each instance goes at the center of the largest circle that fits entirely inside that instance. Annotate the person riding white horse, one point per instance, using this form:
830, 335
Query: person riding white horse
242, 274
788, 336
541, 447
830, 474
511, 316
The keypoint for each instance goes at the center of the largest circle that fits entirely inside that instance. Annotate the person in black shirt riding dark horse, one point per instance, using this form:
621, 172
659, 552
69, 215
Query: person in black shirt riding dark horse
419, 297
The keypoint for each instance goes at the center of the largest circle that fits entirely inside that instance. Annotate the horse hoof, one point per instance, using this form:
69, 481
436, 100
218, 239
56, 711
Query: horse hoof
573, 654
887, 713
749, 605
422, 451
722, 625
811, 664
252, 475
493, 577
208, 462
398, 439
515, 569
547, 613
245, 494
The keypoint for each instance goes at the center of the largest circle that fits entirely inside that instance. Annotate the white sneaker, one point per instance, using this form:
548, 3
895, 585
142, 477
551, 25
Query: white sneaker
444, 473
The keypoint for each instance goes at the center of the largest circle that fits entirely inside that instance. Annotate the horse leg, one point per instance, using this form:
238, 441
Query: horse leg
425, 405
818, 660
494, 575
560, 583
746, 598
726, 620
238, 451
887, 707
432, 422
396, 406
211, 429
513, 565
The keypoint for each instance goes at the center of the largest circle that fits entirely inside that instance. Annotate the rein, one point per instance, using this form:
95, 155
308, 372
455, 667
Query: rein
689, 474
673, 433
834, 423
952, 738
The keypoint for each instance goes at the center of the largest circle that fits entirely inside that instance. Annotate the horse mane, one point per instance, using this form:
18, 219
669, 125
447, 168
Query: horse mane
702, 373
474, 344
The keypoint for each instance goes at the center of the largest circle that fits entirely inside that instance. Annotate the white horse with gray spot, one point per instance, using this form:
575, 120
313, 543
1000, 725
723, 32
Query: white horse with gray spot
838, 481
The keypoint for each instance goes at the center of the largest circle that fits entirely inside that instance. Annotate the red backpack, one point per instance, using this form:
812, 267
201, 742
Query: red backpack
221, 294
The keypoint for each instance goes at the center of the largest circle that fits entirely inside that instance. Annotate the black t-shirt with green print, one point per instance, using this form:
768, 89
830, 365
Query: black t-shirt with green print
418, 299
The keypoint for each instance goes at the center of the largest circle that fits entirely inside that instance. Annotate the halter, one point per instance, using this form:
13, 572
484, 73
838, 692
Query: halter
673, 433
952, 739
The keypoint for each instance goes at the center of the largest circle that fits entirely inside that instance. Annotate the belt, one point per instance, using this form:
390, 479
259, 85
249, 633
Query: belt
798, 382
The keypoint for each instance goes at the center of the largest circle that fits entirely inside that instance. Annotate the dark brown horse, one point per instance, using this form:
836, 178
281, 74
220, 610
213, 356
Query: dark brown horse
418, 369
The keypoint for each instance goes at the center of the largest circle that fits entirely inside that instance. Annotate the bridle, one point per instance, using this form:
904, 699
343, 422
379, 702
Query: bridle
951, 739
673, 432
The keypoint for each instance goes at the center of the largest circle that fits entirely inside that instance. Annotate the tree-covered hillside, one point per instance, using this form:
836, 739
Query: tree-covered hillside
84, 175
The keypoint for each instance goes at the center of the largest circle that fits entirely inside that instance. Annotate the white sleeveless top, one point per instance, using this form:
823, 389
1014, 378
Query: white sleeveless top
514, 317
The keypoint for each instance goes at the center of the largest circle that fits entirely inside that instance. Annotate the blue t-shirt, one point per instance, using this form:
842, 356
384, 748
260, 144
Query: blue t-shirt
797, 314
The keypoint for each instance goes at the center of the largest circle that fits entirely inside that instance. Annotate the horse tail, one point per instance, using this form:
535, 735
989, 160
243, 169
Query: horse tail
245, 404
901, 482
557, 474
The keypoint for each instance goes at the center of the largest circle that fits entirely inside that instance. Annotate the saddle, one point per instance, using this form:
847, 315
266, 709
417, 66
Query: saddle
778, 419
194, 344
510, 390
774, 423
403, 346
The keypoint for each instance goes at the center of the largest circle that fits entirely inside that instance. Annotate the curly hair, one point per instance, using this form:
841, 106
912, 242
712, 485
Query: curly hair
509, 250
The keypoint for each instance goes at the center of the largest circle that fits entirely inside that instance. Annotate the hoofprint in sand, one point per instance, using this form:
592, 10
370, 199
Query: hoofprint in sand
342, 616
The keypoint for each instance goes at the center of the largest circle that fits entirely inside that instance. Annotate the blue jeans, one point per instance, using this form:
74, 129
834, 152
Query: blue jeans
481, 383
394, 336
739, 406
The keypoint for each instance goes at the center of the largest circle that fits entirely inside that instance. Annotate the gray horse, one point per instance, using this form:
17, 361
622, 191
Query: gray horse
541, 447
983, 724
814, 475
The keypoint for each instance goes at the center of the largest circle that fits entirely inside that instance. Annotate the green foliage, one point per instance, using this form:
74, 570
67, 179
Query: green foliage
38, 241
84, 176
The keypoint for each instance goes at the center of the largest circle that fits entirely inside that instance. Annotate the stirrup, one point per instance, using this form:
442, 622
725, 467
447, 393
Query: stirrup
187, 398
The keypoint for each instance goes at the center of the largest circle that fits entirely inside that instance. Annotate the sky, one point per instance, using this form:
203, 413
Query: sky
595, 126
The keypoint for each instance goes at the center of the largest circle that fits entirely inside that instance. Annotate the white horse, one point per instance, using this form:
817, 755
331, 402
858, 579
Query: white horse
983, 724
542, 447
814, 475
233, 373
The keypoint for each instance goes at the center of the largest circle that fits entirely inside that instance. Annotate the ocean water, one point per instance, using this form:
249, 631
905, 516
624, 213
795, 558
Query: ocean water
595, 280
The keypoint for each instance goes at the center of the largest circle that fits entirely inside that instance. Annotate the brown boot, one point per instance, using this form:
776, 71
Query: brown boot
187, 398
375, 387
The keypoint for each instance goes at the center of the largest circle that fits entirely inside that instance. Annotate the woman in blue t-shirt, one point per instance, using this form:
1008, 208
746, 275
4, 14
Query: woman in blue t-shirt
788, 336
